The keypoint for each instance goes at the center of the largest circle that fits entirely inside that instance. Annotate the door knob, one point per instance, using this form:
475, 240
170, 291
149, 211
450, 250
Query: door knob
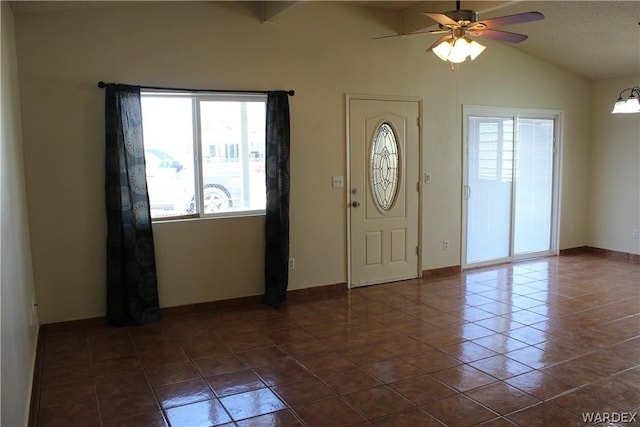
355, 204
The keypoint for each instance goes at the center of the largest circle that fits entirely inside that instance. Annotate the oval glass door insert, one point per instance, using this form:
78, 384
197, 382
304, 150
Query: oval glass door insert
384, 166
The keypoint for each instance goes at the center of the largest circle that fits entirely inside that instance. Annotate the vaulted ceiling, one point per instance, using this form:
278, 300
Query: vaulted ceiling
594, 39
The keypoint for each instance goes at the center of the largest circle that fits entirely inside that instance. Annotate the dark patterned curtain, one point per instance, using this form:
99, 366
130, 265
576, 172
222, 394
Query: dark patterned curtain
277, 217
132, 293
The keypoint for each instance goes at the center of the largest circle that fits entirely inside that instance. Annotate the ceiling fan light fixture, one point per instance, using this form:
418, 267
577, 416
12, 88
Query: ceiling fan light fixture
457, 49
442, 50
475, 49
630, 105
457, 24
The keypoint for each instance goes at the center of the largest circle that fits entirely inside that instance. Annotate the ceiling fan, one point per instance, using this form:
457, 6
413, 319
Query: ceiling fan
454, 46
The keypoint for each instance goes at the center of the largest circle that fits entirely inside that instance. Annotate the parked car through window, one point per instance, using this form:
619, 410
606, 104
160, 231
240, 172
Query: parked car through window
204, 154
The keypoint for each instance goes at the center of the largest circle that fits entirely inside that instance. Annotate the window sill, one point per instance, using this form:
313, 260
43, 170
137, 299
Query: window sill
226, 215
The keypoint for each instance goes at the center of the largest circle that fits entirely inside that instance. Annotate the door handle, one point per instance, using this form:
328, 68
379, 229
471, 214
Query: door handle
467, 192
355, 204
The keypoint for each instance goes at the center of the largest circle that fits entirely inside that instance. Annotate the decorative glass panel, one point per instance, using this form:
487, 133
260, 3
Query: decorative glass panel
384, 166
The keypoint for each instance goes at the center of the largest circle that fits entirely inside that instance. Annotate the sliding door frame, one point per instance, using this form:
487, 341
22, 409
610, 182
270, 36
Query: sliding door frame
515, 114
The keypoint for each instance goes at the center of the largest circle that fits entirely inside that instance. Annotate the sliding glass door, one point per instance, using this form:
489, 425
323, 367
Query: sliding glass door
533, 207
489, 188
509, 184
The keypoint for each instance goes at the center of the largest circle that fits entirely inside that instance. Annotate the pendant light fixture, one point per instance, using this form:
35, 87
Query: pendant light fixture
629, 105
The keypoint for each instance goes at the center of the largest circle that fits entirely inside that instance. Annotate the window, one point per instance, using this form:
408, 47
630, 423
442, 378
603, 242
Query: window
384, 166
204, 154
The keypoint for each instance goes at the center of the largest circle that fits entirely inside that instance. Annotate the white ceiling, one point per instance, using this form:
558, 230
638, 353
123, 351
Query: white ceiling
594, 39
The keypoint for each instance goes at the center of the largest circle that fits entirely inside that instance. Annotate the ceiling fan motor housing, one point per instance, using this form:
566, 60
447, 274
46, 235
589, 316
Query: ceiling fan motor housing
463, 16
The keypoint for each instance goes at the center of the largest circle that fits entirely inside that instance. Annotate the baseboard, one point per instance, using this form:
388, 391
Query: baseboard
441, 272
36, 380
317, 291
189, 309
626, 257
615, 255
203, 307
582, 250
72, 325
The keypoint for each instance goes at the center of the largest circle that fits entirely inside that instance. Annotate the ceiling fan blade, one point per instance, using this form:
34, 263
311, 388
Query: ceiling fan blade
503, 36
440, 40
392, 36
441, 19
411, 34
518, 18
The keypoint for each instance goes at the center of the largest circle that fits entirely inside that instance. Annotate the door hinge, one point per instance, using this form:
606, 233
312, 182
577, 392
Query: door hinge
418, 121
418, 250
418, 186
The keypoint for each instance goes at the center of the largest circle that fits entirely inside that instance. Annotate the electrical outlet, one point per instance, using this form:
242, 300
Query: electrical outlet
572, 229
292, 263
445, 245
337, 181
634, 234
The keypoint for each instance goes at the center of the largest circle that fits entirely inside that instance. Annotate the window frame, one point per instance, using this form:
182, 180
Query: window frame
243, 153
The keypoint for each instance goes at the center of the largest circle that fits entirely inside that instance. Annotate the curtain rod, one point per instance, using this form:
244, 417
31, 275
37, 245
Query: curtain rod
102, 85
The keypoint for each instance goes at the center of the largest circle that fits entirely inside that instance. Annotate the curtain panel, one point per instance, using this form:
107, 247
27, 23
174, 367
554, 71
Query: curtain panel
132, 292
277, 212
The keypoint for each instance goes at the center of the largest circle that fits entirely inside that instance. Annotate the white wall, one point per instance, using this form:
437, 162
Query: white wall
321, 50
614, 170
19, 330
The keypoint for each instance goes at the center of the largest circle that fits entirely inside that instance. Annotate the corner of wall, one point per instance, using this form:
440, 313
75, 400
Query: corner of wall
19, 323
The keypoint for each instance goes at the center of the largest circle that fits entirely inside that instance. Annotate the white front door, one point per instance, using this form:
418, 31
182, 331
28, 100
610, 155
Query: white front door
384, 190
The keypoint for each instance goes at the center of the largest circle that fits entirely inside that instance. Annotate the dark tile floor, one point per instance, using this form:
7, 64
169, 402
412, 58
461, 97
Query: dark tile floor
534, 343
